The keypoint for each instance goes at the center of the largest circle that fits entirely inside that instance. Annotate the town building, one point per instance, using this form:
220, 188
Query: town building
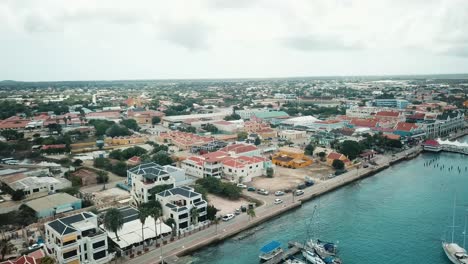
144, 178
262, 129
169, 121
143, 116
292, 134
77, 239
87, 176
393, 103
228, 126
241, 149
291, 158
444, 124
35, 185
105, 115
337, 156
178, 203
54, 204
184, 140
408, 130
126, 140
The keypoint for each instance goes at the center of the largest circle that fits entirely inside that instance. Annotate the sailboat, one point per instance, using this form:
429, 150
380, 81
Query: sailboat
455, 253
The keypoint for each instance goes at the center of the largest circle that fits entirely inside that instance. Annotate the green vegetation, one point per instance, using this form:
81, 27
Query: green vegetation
210, 128
6, 248
118, 131
257, 141
127, 153
350, 149
338, 164
155, 120
101, 126
119, 168
232, 117
102, 177
217, 187
11, 108
270, 172
48, 260
22, 217
162, 158
211, 212
309, 149
130, 124
242, 136
113, 221
10, 134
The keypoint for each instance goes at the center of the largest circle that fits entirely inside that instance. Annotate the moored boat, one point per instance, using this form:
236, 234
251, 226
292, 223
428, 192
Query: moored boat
311, 257
323, 249
294, 261
270, 250
455, 253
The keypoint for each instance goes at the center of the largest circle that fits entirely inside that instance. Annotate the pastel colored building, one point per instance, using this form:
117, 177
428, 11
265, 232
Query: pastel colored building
291, 158
54, 204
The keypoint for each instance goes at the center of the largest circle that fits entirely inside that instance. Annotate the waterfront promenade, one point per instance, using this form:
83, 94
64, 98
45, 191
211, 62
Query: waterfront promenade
267, 211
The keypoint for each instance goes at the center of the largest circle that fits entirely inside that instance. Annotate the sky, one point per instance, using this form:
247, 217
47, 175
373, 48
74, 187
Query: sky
52, 40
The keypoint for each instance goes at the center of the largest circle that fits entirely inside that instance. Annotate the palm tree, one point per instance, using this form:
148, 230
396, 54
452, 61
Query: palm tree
6, 248
65, 120
171, 222
251, 213
194, 215
113, 221
143, 214
154, 210
216, 222
47, 260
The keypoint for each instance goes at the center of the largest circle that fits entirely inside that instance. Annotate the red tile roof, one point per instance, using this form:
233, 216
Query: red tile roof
57, 146
388, 113
392, 136
334, 155
364, 122
403, 126
431, 142
239, 148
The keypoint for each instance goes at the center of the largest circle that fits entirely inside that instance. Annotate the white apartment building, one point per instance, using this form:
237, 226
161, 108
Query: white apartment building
445, 124
363, 112
145, 177
77, 239
177, 203
32, 185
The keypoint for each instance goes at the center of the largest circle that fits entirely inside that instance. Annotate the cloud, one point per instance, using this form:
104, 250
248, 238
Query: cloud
321, 43
192, 35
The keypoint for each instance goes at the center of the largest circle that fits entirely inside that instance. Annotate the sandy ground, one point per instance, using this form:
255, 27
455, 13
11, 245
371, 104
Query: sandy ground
286, 178
110, 195
224, 205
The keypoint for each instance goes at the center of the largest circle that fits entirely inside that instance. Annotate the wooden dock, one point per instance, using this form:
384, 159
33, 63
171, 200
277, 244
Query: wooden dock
294, 248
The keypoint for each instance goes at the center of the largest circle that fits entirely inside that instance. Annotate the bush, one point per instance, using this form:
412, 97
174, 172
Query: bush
338, 164
270, 172
224, 189
155, 120
130, 124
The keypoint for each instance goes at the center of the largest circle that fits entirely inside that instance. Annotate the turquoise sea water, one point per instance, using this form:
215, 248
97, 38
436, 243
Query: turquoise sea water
398, 216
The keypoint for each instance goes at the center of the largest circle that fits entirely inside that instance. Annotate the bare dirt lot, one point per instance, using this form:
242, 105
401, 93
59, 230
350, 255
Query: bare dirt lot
286, 178
224, 205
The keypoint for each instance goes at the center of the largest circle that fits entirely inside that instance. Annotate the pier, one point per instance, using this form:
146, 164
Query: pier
294, 248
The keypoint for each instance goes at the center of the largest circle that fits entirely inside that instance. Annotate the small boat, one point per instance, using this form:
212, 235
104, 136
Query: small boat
313, 258
270, 250
455, 253
332, 260
323, 249
294, 261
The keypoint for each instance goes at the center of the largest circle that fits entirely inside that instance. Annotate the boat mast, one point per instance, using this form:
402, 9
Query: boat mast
453, 217
464, 233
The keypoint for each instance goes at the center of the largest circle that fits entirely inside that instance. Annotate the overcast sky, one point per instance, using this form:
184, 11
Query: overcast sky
112, 39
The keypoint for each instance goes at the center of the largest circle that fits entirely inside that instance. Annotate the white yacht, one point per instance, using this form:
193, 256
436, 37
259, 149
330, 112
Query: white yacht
311, 257
455, 253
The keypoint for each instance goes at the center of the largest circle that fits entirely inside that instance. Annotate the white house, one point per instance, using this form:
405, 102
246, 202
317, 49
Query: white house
177, 203
145, 177
77, 239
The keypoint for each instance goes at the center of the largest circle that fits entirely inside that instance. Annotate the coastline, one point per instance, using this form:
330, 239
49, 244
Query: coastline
311, 193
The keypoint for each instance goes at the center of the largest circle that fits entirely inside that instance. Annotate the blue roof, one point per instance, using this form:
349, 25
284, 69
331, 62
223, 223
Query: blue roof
270, 246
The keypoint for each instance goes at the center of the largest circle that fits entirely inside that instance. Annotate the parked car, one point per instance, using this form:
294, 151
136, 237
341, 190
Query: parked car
299, 192
365, 165
228, 217
262, 191
237, 212
251, 189
301, 186
240, 185
278, 201
279, 193
34, 246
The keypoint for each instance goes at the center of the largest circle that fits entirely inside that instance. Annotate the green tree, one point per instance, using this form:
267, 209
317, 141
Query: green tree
6, 248
54, 127
233, 116
257, 141
120, 168
113, 221
270, 172
102, 177
155, 120
26, 215
322, 155
350, 148
77, 163
11, 134
242, 136
17, 195
216, 222
171, 223
251, 213
162, 159
130, 124
48, 260
194, 214
338, 164
118, 131
309, 149
154, 210
143, 213
211, 128
211, 212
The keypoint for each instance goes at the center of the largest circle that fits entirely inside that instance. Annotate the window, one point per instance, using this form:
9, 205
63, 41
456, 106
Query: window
99, 244
99, 255
69, 254
69, 242
35, 190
